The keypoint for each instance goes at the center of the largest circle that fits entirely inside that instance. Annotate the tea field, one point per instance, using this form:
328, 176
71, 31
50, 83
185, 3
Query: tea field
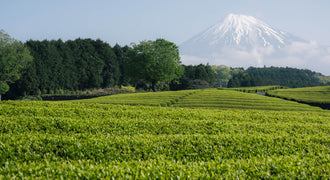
206, 99
226, 99
257, 89
165, 98
104, 138
319, 94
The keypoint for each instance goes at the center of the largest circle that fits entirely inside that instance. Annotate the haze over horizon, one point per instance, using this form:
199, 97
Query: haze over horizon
124, 22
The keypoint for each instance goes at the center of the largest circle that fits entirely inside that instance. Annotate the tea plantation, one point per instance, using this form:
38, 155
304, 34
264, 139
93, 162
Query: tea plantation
312, 95
205, 134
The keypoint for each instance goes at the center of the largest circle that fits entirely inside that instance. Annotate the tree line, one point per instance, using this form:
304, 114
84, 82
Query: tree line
82, 64
71, 65
283, 76
87, 64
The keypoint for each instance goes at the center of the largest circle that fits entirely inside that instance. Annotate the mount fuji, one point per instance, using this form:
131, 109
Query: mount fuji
244, 41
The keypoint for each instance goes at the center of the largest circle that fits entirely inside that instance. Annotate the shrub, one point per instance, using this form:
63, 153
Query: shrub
128, 88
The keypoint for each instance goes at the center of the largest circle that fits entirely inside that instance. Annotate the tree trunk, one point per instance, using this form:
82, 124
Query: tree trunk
0, 96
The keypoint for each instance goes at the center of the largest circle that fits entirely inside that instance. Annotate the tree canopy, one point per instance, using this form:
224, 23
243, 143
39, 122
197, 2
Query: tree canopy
283, 76
195, 77
14, 57
156, 62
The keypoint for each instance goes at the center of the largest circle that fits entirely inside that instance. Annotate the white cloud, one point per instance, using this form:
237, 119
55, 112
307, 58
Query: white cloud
193, 60
289, 61
326, 60
298, 54
302, 48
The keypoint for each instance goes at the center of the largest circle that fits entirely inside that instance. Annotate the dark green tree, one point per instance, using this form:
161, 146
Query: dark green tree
111, 71
196, 77
156, 62
14, 57
122, 58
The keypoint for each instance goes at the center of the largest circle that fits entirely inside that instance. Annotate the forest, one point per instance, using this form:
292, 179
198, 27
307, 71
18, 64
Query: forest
283, 76
82, 64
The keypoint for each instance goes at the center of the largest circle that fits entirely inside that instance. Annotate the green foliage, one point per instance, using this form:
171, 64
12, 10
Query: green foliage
195, 77
241, 79
223, 75
4, 87
86, 64
128, 88
289, 77
32, 98
72, 65
70, 140
14, 57
154, 62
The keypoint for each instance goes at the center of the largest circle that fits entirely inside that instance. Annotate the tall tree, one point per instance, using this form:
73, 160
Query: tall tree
155, 62
122, 56
14, 57
222, 75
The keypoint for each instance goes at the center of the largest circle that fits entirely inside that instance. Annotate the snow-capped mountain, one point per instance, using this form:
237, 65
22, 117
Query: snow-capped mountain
240, 32
243, 41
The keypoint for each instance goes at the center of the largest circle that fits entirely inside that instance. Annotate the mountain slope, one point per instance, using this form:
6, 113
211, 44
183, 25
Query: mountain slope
244, 41
242, 31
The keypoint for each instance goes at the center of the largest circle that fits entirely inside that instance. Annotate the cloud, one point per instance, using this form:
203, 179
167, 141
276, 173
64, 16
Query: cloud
303, 55
193, 60
326, 59
290, 61
302, 48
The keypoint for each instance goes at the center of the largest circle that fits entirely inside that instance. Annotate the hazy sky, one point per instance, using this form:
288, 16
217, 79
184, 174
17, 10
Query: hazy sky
126, 21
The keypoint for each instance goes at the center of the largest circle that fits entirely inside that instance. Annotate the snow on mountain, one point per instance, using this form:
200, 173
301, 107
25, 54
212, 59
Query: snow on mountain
241, 40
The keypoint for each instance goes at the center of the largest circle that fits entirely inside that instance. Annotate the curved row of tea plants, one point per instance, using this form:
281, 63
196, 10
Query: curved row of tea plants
91, 141
208, 98
319, 96
257, 89
165, 98
224, 99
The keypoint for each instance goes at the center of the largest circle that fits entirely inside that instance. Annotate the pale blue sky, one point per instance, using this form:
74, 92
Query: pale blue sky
126, 21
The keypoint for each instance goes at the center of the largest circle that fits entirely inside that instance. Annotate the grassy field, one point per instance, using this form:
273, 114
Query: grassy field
94, 139
313, 95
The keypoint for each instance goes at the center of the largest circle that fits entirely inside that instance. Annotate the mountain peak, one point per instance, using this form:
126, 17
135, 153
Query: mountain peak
240, 18
240, 32
243, 30
241, 22
239, 26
